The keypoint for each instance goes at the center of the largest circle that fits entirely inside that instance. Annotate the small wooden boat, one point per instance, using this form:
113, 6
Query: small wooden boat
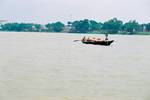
97, 42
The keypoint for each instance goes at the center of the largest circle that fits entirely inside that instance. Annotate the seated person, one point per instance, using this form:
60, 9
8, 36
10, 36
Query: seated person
93, 39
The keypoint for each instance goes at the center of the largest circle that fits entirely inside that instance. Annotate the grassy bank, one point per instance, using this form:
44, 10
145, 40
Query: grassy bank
143, 33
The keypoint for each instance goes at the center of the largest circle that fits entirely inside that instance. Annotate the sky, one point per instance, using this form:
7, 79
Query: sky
47, 11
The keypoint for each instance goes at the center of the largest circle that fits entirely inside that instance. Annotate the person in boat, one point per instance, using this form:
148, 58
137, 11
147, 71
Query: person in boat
91, 39
106, 38
84, 38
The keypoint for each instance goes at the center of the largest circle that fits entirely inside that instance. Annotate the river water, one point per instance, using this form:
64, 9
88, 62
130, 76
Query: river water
50, 66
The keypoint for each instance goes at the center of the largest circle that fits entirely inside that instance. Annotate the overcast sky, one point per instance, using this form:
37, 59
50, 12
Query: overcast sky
44, 11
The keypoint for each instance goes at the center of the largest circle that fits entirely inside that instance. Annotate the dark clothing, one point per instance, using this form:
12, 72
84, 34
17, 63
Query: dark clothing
106, 38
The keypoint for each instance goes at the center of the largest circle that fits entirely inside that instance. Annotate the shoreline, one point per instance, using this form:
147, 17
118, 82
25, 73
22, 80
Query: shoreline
140, 33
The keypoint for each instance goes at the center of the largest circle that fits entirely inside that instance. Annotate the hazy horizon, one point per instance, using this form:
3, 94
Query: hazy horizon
44, 11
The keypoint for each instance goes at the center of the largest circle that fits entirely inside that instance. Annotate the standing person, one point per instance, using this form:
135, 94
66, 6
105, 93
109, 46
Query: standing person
106, 38
84, 39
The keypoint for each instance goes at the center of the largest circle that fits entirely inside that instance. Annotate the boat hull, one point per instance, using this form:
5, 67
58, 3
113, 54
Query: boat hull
105, 43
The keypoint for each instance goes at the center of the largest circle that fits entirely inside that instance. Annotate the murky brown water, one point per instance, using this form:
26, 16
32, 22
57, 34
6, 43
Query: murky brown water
46, 66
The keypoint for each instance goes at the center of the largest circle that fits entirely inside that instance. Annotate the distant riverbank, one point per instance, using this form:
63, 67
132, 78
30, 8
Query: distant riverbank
112, 26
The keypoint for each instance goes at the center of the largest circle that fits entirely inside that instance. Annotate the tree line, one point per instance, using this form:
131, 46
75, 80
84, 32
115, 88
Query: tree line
112, 26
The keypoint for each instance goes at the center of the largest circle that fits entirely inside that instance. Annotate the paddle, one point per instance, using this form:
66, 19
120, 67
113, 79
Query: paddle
76, 40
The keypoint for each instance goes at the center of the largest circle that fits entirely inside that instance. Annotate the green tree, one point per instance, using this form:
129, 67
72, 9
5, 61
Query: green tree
82, 26
148, 27
113, 26
94, 26
37, 27
49, 27
74, 26
132, 27
57, 27
10, 27
19, 27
